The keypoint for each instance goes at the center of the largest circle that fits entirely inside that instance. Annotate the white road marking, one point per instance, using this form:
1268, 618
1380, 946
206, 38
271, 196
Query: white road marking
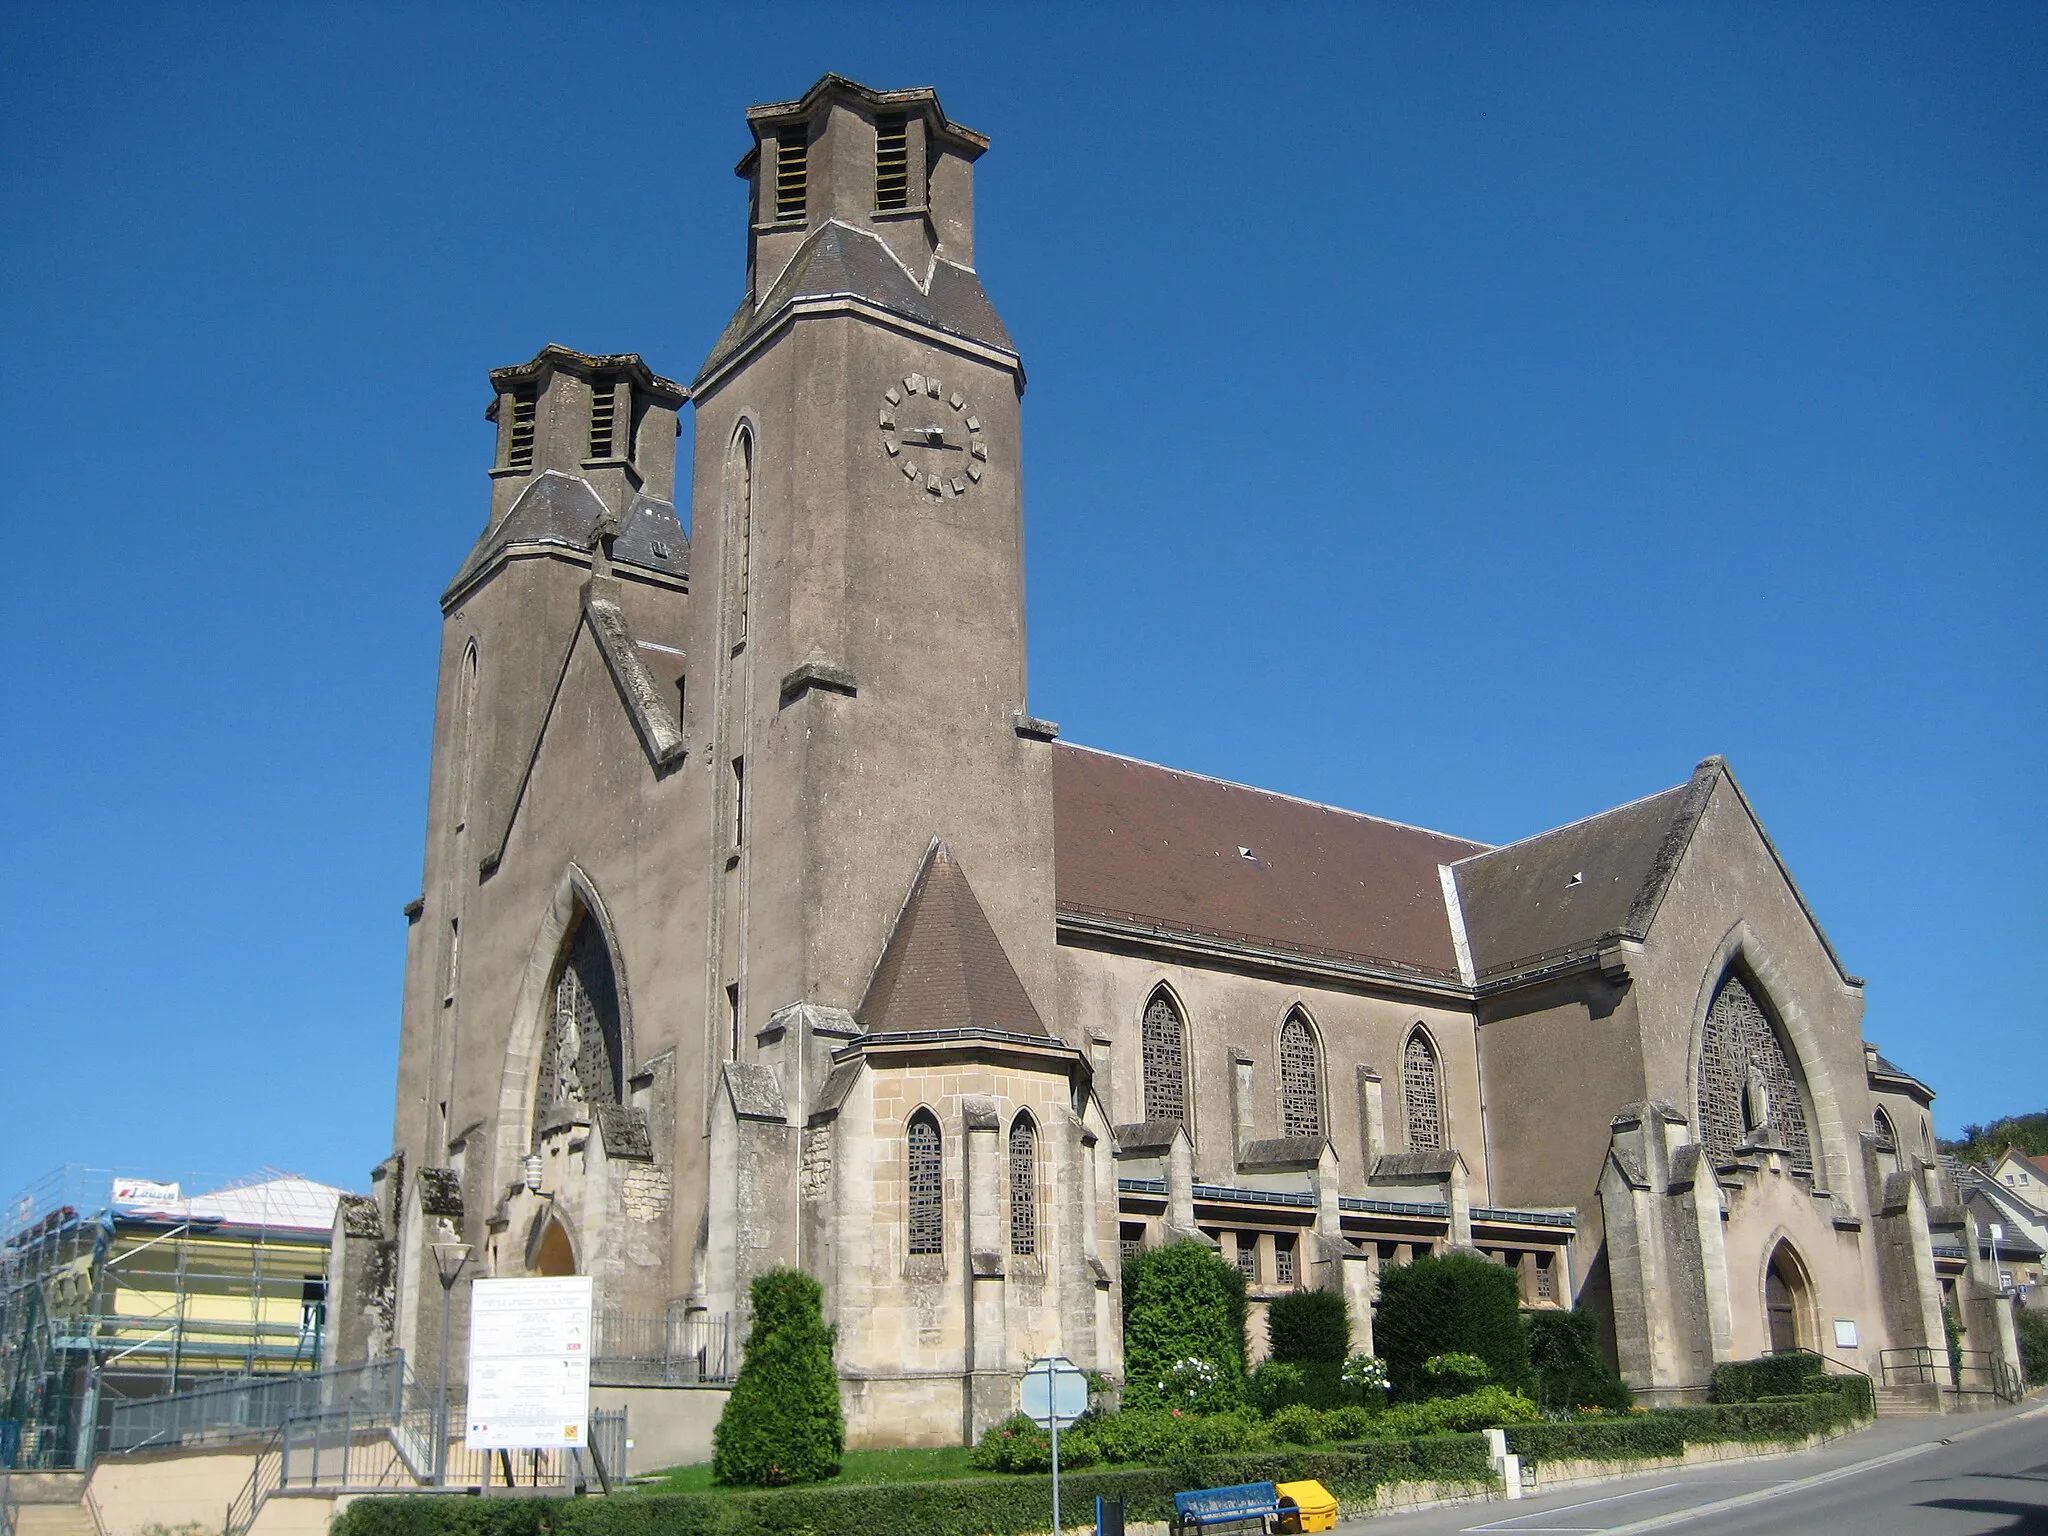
1564, 1509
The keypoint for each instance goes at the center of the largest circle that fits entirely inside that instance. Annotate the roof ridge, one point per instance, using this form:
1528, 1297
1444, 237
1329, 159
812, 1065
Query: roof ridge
1273, 794
1566, 826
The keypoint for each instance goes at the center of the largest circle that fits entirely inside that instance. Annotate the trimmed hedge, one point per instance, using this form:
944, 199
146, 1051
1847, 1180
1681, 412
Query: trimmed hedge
1008, 1506
1669, 1431
1451, 1303
1744, 1381
1309, 1328
1571, 1372
1182, 1303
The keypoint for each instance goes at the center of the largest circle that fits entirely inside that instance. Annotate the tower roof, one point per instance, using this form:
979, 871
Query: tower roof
944, 967
921, 100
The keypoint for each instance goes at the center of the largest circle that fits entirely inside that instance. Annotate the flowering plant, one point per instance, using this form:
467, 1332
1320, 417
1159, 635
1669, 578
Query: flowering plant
1366, 1373
1189, 1379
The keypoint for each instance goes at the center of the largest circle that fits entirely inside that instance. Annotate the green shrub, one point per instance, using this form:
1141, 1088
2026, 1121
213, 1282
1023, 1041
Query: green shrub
1298, 1424
1490, 1407
1450, 1303
1571, 1372
1668, 1431
1183, 1304
1309, 1327
2032, 1328
1018, 1445
1455, 1374
1318, 1384
782, 1423
1276, 1385
1744, 1381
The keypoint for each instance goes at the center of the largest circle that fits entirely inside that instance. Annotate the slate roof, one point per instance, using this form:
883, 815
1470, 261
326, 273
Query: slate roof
838, 261
1140, 842
563, 510
1568, 889
944, 967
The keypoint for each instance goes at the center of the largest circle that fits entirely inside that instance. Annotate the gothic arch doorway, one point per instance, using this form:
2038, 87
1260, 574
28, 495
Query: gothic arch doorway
553, 1253
1787, 1301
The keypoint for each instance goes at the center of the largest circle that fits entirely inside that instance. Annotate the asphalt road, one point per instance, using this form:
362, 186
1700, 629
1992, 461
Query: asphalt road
1949, 1476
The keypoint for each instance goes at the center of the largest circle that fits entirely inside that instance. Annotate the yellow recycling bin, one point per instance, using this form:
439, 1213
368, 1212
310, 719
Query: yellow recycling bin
1307, 1506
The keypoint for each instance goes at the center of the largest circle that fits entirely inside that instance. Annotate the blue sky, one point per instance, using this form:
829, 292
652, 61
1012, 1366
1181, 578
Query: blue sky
1471, 415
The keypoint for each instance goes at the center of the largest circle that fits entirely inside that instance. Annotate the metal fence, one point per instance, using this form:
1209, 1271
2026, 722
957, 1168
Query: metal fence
254, 1407
677, 1350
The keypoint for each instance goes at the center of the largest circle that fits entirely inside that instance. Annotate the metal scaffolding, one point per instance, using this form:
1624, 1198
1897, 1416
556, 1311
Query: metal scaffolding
114, 1289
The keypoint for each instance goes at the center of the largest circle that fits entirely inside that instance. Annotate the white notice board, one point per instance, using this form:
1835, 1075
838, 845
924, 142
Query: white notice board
529, 1363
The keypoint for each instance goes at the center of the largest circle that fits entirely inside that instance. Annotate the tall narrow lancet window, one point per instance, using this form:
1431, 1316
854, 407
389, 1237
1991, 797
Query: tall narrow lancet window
1163, 1047
1747, 1087
465, 735
927, 1187
742, 531
1301, 1079
1886, 1136
1422, 1094
582, 1066
1023, 1185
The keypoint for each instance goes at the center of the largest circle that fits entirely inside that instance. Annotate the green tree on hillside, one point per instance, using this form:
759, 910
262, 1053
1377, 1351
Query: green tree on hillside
1988, 1143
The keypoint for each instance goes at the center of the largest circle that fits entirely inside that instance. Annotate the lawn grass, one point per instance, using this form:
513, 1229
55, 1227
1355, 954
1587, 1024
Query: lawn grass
856, 1467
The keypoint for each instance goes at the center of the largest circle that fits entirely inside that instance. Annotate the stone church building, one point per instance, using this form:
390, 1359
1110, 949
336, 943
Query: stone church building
765, 921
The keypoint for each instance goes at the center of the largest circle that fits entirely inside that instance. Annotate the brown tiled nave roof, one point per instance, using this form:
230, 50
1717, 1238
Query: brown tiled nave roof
1135, 841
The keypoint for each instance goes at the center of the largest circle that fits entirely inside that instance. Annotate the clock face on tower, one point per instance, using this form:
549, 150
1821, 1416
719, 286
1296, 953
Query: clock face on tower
933, 437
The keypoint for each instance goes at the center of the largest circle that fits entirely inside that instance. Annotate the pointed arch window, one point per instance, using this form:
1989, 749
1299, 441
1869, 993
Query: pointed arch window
1301, 1078
465, 735
1023, 1185
927, 1202
583, 1064
1887, 1137
1747, 1087
1163, 1045
1422, 1094
742, 530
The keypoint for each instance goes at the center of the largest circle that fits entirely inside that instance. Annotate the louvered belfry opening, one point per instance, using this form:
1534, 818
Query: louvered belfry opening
1421, 1095
1023, 1186
792, 173
926, 1186
892, 160
525, 406
1165, 1077
1301, 1079
604, 407
1747, 1084
582, 1064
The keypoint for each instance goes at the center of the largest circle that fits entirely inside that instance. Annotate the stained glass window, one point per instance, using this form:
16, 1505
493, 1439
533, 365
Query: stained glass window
1165, 1073
582, 1063
1746, 1080
1886, 1136
927, 1186
1023, 1186
1421, 1095
1301, 1080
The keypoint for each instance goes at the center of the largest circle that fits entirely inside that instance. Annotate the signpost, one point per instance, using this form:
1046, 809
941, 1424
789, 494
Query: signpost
529, 1364
1052, 1395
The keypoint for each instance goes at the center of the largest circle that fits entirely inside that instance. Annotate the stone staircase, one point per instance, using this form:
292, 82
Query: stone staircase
1907, 1402
53, 1520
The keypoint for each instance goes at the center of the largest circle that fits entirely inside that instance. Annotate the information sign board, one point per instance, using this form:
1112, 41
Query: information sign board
529, 1363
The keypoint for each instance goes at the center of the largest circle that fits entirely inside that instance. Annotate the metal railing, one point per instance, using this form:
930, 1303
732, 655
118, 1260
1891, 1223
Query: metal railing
1962, 1372
253, 1407
368, 1448
680, 1349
